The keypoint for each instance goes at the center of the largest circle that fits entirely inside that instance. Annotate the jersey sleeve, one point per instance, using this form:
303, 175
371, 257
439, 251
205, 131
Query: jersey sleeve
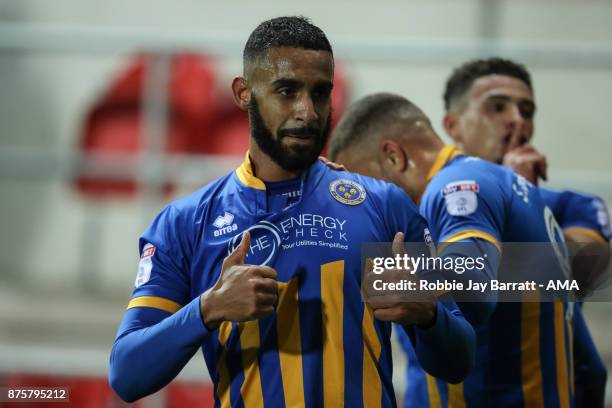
163, 327
582, 213
445, 350
433, 348
463, 206
163, 279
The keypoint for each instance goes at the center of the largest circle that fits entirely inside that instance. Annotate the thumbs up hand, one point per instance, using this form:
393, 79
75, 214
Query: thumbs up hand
398, 309
242, 292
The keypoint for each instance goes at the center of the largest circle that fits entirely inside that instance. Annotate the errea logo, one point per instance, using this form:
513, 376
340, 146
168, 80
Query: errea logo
224, 224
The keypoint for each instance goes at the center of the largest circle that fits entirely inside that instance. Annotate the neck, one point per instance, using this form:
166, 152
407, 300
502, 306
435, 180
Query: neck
265, 169
427, 160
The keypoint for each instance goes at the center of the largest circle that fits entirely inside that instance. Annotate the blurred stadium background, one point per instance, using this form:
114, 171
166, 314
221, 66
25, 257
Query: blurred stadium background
110, 109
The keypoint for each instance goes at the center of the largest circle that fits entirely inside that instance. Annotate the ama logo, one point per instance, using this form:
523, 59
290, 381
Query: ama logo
224, 224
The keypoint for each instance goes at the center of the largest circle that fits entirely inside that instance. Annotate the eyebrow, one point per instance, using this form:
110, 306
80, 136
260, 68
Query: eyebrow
286, 82
325, 85
508, 98
295, 83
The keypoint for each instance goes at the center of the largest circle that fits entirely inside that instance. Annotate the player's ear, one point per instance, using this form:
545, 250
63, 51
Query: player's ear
241, 93
450, 123
393, 158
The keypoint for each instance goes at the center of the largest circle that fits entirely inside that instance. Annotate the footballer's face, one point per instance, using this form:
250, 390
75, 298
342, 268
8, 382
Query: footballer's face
495, 115
290, 105
389, 163
357, 161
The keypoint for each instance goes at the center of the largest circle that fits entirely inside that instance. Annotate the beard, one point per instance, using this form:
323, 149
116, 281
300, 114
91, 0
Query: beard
292, 158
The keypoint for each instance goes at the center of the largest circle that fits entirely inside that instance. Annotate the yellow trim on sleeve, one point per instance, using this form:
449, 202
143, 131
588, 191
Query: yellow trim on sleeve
155, 302
447, 153
246, 176
470, 233
587, 232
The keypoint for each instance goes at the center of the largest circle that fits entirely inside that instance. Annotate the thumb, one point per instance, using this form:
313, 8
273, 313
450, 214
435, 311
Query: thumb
239, 253
397, 246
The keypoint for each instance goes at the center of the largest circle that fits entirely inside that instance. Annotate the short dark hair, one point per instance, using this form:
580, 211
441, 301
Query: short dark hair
294, 31
464, 76
367, 116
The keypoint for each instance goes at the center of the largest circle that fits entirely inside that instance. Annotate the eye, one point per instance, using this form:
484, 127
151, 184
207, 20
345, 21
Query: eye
527, 110
285, 91
321, 93
498, 107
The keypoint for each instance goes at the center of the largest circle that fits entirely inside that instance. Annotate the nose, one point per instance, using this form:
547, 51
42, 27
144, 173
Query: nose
515, 113
304, 109
515, 117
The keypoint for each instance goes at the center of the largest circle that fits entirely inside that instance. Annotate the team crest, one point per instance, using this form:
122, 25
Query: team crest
347, 192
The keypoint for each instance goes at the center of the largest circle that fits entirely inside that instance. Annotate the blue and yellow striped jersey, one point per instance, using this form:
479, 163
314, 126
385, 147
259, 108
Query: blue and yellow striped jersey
322, 346
584, 213
523, 356
587, 215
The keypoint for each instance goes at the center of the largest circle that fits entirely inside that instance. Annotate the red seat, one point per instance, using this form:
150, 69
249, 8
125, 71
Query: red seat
180, 394
201, 119
115, 123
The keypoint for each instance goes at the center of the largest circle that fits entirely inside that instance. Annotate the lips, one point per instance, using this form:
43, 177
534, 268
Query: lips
300, 136
300, 139
303, 135
300, 132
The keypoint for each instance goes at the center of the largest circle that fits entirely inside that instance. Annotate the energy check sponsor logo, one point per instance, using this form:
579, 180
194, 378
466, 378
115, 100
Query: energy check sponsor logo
298, 230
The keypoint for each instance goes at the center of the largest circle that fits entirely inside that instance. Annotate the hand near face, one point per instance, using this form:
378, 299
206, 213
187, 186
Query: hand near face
528, 162
332, 165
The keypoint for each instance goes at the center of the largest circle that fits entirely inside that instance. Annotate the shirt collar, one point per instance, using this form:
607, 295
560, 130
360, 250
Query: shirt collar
246, 176
446, 154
